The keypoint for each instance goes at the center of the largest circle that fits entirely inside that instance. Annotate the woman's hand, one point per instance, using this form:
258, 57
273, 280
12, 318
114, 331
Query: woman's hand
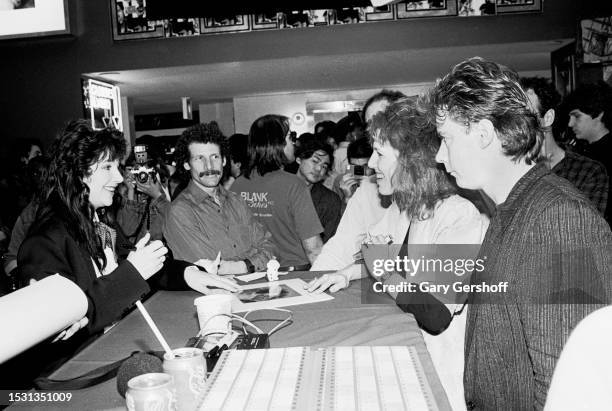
333, 281
200, 281
70, 331
348, 184
232, 267
148, 258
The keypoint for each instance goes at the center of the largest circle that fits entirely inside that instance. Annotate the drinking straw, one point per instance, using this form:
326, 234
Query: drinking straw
156, 331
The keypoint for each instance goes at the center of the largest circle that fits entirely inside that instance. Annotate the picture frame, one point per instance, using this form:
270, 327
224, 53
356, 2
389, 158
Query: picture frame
38, 19
347, 15
413, 9
233, 24
476, 8
295, 19
129, 21
264, 21
380, 13
596, 40
182, 27
518, 6
320, 17
293, 292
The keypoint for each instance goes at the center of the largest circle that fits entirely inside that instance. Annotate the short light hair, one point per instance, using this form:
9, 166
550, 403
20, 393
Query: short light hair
478, 89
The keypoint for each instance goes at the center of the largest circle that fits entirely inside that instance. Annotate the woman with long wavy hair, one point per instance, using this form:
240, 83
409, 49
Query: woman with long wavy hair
425, 210
68, 237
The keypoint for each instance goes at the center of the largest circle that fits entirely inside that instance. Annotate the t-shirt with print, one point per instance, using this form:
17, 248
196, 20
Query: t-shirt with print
282, 203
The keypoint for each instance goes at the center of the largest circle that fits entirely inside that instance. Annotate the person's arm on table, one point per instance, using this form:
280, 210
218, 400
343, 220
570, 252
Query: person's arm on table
177, 275
335, 281
339, 250
456, 221
432, 315
109, 296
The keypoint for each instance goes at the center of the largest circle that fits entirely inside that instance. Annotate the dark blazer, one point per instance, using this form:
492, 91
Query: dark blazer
555, 250
50, 249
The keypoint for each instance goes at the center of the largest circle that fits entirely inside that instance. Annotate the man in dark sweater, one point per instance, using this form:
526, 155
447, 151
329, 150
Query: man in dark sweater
590, 117
546, 240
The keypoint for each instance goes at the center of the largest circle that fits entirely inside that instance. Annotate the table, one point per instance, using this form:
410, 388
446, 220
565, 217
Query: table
342, 321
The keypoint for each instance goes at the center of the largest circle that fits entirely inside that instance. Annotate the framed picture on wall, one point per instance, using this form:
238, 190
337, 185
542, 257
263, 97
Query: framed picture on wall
225, 24
265, 21
350, 15
33, 18
295, 19
469, 8
319, 17
435, 8
129, 21
380, 13
181, 27
596, 39
518, 6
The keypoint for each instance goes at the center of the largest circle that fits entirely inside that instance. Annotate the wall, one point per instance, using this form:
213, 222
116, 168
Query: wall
247, 109
41, 77
222, 113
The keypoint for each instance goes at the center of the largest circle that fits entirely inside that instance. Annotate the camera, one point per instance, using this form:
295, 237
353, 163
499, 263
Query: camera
360, 171
141, 171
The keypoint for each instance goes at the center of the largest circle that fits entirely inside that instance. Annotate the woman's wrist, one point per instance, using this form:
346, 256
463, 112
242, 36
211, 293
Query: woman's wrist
347, 278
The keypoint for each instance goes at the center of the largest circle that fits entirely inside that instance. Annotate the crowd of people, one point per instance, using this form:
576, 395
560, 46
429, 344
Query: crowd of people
482, 158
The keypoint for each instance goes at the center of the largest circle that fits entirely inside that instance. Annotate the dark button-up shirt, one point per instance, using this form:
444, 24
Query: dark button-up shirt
197, 227
601, 151
589, 176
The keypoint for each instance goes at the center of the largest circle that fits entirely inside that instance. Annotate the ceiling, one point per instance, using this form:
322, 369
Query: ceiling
159, 90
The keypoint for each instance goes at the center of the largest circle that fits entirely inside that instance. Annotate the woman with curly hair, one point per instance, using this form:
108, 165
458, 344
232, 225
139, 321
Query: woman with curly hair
68, 237
425, 210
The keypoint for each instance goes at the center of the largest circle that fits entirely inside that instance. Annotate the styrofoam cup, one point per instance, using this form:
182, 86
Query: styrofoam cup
214, 313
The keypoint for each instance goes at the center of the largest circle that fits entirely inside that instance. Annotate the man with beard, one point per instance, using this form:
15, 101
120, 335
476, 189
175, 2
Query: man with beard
206, 219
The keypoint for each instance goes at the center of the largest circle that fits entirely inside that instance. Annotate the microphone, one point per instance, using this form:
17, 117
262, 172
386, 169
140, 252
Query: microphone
137, 364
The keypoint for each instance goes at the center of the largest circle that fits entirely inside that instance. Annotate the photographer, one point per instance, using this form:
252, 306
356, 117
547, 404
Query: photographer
147, 197
358, 153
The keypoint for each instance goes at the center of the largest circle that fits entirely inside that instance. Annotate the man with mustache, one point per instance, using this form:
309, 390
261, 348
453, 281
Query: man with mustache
205, 218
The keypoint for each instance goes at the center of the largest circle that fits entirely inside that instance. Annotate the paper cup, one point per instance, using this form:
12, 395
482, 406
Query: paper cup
214, 313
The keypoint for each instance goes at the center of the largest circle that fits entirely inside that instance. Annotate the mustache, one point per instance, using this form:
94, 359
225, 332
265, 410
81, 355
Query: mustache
210, 173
